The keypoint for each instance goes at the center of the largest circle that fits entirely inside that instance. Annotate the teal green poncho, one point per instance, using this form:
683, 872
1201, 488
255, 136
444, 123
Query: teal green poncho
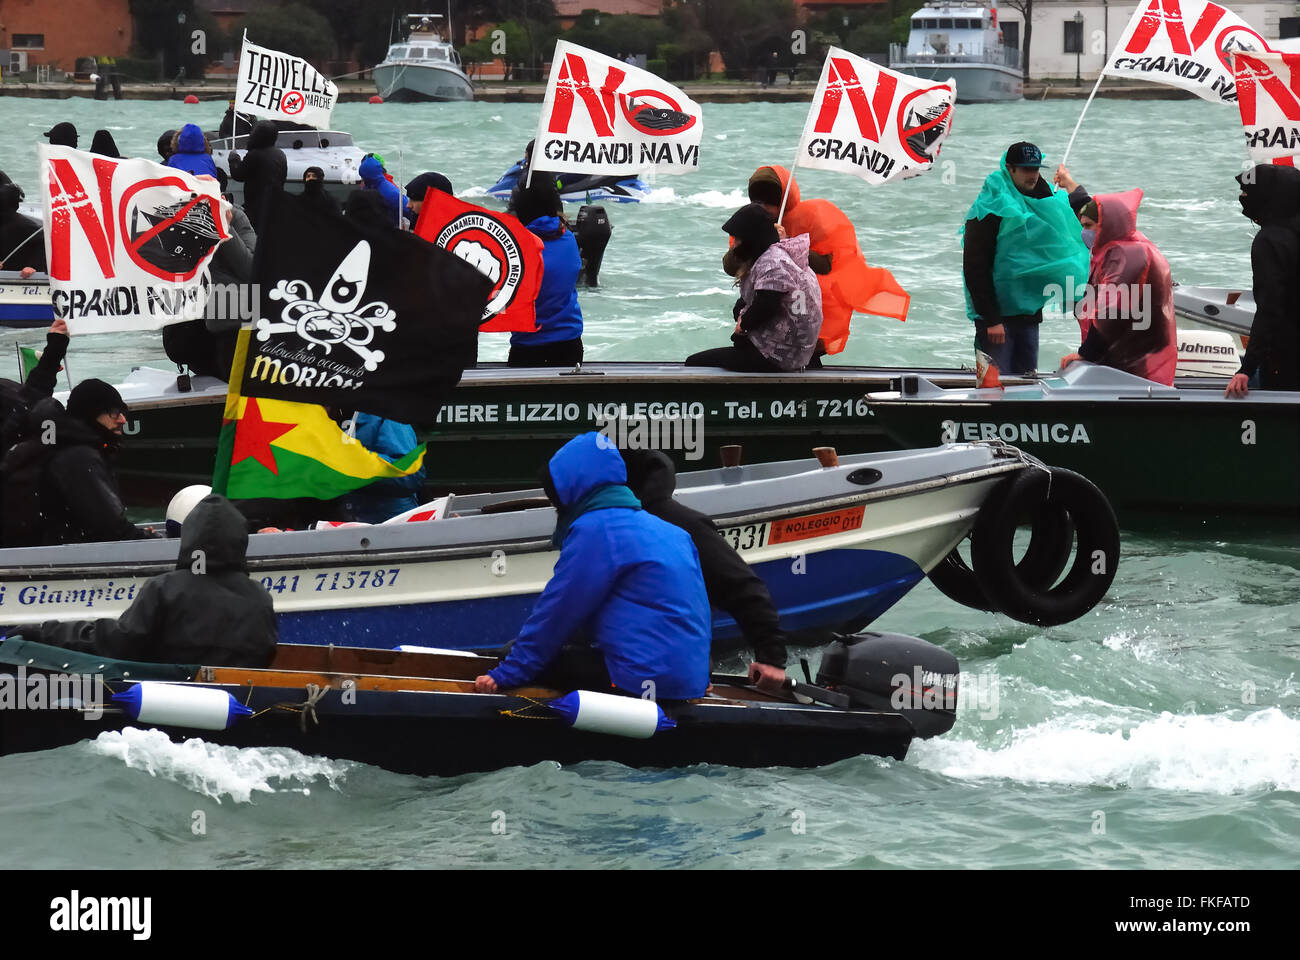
1040, 252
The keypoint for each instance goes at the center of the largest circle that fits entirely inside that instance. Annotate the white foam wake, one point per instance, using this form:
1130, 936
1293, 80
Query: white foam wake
708, 198
217, 771
1196, 753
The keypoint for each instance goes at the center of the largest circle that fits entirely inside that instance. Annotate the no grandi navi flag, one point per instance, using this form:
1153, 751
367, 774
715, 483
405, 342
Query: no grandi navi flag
283, 450
874, 123
601, 115
1184, 43
128, 241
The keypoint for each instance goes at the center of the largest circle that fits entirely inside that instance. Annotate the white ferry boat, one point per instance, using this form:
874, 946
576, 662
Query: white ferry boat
963, 41
423, 67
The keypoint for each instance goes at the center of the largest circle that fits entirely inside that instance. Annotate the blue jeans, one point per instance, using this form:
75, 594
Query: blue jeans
1017, 353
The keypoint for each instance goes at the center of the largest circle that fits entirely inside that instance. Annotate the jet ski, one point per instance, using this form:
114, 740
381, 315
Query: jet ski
578, 187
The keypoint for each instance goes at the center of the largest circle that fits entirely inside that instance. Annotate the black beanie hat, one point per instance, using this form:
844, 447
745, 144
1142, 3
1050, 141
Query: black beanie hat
104, 145
752, 226
90, 398
62, 135
165, 144
765, 191
539, 200
418, 187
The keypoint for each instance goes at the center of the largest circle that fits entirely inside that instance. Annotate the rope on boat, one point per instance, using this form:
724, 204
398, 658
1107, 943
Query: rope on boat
523, 715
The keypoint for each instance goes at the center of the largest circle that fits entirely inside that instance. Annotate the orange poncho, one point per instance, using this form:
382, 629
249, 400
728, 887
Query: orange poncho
851, 284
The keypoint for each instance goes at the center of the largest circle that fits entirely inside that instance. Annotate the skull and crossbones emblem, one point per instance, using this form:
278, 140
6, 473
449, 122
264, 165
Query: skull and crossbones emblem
337, 318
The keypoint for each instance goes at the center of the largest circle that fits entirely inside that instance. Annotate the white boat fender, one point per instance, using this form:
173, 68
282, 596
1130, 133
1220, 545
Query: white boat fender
608, 713
173, 705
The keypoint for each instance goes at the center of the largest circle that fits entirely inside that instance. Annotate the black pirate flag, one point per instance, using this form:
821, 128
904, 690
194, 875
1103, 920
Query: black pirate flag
360, 318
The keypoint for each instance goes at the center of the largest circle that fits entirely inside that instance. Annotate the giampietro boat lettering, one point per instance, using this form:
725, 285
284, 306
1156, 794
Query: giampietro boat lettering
41, 594
966, 431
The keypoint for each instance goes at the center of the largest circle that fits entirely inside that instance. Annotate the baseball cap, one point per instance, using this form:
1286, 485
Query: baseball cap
1024, 154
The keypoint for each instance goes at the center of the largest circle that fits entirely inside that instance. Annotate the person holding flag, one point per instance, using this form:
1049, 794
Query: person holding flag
1020, 242
847, 282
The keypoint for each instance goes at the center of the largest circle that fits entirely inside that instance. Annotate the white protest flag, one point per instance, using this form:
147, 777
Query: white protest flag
605, 116
1184, 43
893, 127
128, 242
280, 87
1268, 99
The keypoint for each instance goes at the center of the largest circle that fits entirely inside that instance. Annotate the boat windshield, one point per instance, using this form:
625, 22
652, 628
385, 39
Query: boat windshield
397, 53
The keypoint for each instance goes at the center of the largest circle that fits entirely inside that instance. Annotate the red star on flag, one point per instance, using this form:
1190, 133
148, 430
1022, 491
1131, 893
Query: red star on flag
253, 437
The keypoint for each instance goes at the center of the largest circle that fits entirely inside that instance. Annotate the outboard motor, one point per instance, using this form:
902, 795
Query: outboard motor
592, 230
896, 673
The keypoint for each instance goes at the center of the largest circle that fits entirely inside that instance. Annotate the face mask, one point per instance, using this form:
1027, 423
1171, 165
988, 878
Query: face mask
1089, 237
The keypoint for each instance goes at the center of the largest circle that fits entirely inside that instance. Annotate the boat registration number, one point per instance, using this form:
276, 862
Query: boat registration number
751, 536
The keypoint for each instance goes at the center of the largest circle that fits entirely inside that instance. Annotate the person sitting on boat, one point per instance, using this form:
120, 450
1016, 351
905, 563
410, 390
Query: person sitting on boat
731, 583
22, 239
208, 610
557, 341
62, 135
191, 152
59, 483
847, 282
262, 171
779, 311
1270, 197
375, 177
418, 188
165, 144
40, 383
376, 502
1128, 308
313, 188
624, 578
1020, 242
104, 145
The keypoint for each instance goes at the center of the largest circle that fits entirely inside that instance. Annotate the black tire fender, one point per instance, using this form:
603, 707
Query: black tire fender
1060, 503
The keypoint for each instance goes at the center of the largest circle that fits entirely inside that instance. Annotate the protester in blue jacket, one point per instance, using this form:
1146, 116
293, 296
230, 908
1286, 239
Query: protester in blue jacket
626, 579
557, 342
373, 177
191, 152
376, 502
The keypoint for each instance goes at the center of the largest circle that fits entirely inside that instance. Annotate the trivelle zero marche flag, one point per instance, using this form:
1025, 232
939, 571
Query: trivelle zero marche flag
128, 242
604, 116
871, 122
284, 450
498, 246
1268, 100
1186, 44
282, 87
358, 316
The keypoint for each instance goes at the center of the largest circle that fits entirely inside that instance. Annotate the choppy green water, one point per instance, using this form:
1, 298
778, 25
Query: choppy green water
1162, 730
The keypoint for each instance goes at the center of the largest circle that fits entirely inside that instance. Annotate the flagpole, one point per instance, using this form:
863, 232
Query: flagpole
22, 375
1079, 122
234, 122
798, 152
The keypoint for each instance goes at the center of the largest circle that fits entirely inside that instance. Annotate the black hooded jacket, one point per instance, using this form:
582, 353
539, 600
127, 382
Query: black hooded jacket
65, 491
731, 584
1273, 201
22, 243
205, 611
262, 169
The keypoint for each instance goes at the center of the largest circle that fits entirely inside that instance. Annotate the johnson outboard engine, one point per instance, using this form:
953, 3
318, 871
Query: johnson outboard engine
895, 673
592, 230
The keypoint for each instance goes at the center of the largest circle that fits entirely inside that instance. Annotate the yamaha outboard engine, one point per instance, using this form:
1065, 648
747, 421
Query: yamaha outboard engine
896, 673
592, 230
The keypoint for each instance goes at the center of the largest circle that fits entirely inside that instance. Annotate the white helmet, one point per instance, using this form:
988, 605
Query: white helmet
184, 501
